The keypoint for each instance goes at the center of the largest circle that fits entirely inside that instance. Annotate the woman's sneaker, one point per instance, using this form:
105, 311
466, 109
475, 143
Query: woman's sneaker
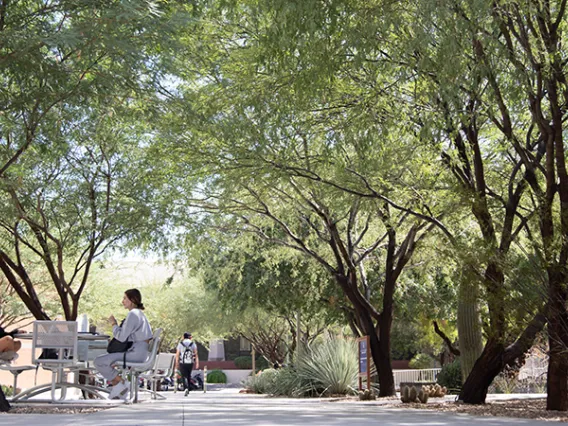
186, 392
126, 394
119, 391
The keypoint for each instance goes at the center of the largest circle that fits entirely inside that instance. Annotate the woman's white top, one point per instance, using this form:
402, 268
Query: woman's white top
135, 328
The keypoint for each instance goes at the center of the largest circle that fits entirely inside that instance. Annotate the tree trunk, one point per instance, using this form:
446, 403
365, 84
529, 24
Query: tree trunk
469, 326
380, 351
4, 404
494, 358
381, 359
486, 368
384, 369
29, 298
557, 383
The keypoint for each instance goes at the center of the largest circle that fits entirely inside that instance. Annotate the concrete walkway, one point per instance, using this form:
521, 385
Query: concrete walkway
225, 407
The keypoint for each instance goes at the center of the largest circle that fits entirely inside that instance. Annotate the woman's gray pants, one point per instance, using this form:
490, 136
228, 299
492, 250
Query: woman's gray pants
138, 352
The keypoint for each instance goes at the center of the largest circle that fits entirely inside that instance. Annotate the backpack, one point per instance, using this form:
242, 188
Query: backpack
187, 356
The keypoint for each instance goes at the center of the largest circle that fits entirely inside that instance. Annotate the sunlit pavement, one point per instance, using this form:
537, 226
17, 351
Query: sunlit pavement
227, 407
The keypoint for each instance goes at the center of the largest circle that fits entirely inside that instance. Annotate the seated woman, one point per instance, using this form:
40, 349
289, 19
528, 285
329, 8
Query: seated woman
9, 346
136, 329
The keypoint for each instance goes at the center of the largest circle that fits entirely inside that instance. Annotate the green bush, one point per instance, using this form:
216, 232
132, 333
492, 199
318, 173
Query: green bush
245, 363
8, 390
421, 361
451, 377
216, 376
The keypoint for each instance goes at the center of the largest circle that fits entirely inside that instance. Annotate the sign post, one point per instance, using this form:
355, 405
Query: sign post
363, 346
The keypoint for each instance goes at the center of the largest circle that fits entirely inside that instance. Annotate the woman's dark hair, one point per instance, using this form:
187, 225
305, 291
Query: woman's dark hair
135, 297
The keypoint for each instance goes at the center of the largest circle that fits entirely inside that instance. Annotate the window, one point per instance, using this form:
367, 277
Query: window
244, 345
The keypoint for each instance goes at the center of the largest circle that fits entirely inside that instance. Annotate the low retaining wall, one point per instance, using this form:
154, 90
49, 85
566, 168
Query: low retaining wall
233, 376
236, 376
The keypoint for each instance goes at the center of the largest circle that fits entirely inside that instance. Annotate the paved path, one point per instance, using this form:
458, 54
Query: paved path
226, 407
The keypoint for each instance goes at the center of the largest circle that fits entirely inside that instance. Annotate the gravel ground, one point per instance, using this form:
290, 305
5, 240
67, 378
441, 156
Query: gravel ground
519, 408
46, 409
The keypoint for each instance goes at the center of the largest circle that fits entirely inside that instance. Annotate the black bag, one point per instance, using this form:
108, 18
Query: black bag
49, 353
118, 346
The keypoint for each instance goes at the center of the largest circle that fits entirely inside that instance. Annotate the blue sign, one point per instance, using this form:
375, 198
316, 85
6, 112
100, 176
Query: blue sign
363, 357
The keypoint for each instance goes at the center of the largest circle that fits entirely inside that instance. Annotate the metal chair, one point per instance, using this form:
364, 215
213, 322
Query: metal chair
54, 348
164, 367
6, 359
137, 368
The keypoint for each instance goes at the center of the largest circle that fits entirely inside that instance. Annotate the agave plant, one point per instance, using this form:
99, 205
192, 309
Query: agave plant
327, 368
330, 367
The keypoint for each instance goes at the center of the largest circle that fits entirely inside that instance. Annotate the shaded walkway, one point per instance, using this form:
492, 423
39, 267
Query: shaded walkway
228, 408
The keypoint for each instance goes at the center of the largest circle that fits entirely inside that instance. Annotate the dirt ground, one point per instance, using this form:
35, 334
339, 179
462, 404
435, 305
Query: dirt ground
520, 408
45, 409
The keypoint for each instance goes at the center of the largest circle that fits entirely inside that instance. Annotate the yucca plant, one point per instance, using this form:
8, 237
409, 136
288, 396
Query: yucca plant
330, 367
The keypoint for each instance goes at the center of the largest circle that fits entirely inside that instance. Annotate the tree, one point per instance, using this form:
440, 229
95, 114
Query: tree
264, 164
58, 55
251, 278
61, 63
340, 232
451, 106
53, 56
511, 55
65, 207
307, 103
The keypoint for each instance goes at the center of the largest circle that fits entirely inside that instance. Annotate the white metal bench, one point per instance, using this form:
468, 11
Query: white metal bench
164, 367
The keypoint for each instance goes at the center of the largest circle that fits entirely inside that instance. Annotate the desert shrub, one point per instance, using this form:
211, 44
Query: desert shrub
451, 377
504, 383
421, 361
261, 382
216, 376
287, 382
531, 384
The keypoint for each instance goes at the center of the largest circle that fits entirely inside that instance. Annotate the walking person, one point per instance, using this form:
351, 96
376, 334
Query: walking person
136, 329
186, 358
